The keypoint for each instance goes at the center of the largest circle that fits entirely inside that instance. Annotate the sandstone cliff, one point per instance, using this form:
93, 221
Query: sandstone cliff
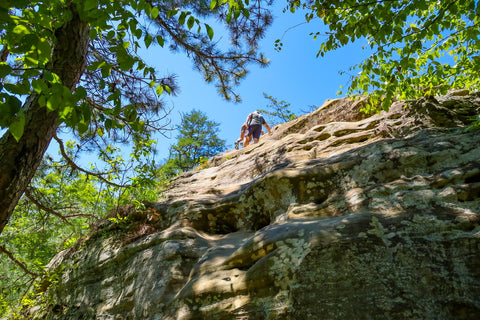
335, 215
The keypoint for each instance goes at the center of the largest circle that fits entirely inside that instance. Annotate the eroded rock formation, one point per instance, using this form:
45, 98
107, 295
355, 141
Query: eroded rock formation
336, 215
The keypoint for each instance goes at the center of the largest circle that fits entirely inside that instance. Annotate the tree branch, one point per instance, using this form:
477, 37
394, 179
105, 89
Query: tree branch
19, 263
44, 208
75, 166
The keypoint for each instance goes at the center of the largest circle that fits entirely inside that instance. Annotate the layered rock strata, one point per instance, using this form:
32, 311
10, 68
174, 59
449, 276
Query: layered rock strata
335, 215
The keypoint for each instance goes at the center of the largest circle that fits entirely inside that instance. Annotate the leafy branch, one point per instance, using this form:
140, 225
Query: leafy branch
17, 262
412, 42
98, 175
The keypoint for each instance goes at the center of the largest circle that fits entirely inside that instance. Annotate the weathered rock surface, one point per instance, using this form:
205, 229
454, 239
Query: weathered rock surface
335, 215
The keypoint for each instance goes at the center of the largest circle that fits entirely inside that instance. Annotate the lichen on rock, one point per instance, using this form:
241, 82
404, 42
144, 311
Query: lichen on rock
335, 215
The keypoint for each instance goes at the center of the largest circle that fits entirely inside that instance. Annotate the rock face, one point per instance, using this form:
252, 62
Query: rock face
335, 215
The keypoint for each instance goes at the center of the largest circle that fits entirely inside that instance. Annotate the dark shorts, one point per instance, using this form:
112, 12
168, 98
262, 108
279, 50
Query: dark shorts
255, 131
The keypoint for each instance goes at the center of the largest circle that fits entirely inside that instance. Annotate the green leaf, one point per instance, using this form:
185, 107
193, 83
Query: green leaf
11, 107
42, 101
111, 35
93, 33
160, 41
31, 60
39, 85
148, 40
141, 65
154, 13
17, 127
213, 4
106, 70
90, 4
96, 65
125, 61
25, 43
209, 31
181, 19
80, 93
109, 123
53, 102
82, 127
115, 95
20, 30
190, 22
171, 13
5, 69
237, 13
18, 88
44, 50
51, 77
159, 90
68, 113
130, 113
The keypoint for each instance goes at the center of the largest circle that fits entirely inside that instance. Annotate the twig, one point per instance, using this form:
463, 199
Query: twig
75, 166
44, 208
19, 263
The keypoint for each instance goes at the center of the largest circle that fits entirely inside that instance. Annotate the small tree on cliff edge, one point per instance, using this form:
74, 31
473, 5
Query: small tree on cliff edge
419, 47
197, 140
277, 111
71, 66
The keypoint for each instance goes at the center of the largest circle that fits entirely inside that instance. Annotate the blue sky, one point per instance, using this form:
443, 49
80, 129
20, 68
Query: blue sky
294, 75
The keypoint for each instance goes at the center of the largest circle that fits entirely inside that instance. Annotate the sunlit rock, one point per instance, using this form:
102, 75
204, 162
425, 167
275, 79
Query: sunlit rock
335, 215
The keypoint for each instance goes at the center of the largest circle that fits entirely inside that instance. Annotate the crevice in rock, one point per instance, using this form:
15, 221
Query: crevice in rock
474, 177
376, 227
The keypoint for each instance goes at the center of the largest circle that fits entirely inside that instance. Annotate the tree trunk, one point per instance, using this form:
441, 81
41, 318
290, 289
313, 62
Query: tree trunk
19, 160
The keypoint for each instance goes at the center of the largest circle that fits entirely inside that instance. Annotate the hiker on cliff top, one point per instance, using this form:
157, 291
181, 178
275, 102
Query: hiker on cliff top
254, 127
243, 130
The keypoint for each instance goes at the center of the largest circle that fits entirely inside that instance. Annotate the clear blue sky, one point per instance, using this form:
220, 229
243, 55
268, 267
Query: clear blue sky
294, 75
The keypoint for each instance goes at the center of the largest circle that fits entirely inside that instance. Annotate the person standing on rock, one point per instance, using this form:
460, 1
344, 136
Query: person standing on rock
254, 127
243, 130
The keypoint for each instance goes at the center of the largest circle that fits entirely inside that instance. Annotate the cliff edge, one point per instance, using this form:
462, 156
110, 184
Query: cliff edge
335, 215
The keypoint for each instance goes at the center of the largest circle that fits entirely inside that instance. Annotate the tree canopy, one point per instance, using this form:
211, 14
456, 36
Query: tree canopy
71, 72
419, 47
197, 140
72, 68
58, 208
278, 111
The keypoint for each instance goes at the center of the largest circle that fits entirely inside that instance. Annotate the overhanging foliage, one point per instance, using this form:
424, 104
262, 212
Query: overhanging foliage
419, 47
